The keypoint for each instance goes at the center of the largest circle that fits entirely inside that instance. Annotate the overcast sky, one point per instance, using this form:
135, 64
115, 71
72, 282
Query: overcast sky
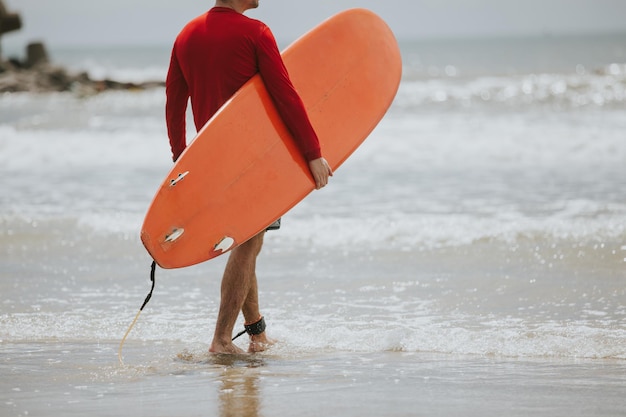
139, 22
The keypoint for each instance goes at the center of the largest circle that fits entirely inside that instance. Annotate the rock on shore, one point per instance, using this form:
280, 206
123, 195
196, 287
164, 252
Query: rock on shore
45, 77
37, 74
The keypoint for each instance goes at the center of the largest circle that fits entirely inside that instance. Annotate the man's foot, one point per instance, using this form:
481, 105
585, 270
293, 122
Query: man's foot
227, 347
260, 343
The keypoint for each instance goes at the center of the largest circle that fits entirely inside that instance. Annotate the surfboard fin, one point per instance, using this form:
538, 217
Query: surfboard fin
225, 244
176, 233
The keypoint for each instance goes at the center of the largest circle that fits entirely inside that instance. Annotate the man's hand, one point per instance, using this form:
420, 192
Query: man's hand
320, 171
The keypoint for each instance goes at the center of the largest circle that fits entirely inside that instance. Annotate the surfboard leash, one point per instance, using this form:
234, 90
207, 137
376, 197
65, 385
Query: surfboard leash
148, 297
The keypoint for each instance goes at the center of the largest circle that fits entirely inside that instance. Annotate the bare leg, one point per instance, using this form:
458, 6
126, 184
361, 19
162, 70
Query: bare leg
239, 292
251, 314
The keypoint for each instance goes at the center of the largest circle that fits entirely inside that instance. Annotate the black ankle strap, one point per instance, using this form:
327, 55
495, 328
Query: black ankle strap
256, 328
253, 329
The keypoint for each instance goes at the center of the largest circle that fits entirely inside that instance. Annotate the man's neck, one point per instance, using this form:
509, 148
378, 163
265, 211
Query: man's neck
230, 4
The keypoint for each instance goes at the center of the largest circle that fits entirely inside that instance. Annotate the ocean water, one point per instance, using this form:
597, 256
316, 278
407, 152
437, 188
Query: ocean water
469, 259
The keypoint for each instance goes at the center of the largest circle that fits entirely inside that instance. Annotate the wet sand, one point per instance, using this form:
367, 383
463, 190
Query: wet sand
78, 379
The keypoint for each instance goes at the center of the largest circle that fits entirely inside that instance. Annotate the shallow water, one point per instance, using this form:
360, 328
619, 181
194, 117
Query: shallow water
54, 378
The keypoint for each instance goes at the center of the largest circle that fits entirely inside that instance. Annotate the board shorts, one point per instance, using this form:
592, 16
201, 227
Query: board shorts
274, 226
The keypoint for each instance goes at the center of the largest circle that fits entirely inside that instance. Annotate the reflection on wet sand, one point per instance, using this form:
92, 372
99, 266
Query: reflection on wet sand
239, 394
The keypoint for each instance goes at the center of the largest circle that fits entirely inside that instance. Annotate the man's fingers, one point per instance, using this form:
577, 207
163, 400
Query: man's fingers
321, 172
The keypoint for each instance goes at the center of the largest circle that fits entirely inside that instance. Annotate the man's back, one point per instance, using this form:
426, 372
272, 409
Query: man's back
217, 55
213, 56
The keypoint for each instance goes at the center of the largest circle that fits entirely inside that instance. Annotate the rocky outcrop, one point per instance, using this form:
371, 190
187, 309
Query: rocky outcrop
45, 77
36, 73
8, 21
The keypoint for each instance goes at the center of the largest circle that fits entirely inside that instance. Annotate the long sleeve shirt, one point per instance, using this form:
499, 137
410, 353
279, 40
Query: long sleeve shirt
213, 56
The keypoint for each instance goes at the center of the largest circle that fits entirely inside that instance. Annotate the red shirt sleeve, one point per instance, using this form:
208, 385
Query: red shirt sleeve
287, 101
177, 93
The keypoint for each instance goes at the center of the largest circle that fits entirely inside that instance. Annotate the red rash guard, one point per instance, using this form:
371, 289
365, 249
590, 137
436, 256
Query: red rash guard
213, 56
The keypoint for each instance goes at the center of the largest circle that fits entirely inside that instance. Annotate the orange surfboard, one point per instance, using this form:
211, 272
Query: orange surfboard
240, 173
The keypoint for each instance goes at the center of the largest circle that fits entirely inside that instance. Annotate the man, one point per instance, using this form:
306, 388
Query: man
213, 56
